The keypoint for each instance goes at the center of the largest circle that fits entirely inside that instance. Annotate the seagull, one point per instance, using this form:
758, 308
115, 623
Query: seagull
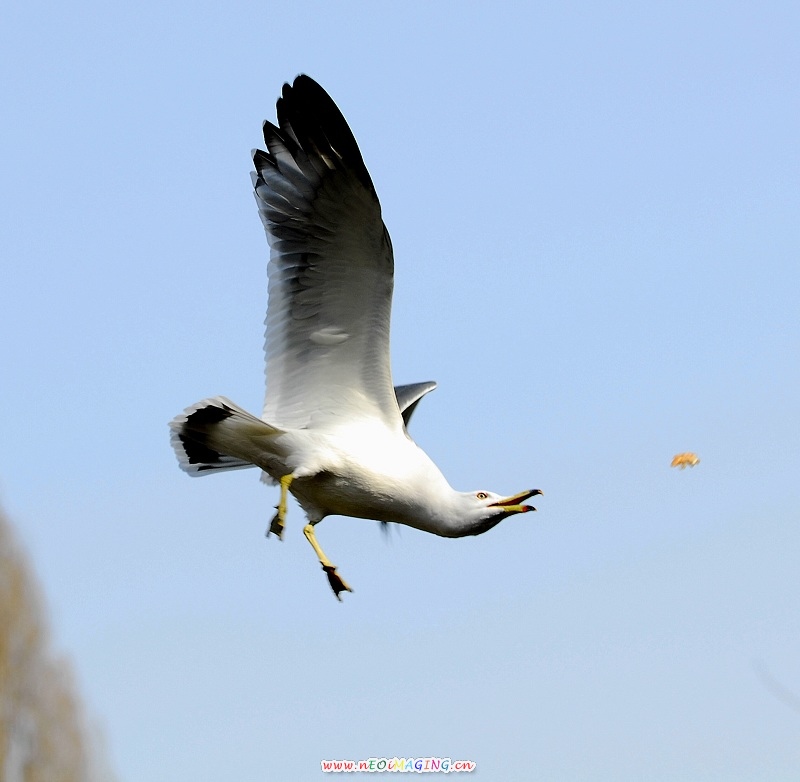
333, 430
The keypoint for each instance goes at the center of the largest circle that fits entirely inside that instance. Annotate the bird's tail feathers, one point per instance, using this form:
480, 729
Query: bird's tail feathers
216, 435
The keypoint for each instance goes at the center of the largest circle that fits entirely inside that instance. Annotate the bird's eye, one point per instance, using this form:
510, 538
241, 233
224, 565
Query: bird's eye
482, 495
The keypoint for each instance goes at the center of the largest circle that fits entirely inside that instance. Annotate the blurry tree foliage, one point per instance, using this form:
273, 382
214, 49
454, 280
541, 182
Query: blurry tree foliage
43, 736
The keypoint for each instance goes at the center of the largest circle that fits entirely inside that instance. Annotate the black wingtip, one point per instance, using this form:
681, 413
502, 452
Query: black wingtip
261, 159
310, 115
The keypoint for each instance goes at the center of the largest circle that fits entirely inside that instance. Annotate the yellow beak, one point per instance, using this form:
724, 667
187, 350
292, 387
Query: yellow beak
512, 504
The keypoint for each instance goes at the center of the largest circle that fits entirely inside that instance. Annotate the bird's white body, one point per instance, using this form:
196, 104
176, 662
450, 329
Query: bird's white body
365, 471
359, 467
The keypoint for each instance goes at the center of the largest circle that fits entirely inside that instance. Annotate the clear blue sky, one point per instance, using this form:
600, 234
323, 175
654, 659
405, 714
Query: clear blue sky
595, 215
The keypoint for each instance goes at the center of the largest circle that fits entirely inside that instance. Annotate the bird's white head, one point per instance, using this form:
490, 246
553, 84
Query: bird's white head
476, 512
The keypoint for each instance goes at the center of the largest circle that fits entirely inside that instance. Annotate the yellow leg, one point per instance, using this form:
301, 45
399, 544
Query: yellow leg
334, 579
277, 524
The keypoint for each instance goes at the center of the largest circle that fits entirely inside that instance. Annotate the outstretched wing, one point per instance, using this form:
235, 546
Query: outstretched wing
330, 270
408, 397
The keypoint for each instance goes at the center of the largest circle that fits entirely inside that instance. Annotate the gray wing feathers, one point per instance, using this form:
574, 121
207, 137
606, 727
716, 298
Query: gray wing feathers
408, 397
330, 270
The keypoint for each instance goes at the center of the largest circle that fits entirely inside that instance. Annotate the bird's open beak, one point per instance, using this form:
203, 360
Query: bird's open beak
512, 504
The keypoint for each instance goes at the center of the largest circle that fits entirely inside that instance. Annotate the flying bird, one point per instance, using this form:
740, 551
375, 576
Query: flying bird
333, 430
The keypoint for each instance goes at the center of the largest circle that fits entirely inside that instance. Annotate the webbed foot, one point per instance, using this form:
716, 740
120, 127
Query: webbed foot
276, 526
335, 580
